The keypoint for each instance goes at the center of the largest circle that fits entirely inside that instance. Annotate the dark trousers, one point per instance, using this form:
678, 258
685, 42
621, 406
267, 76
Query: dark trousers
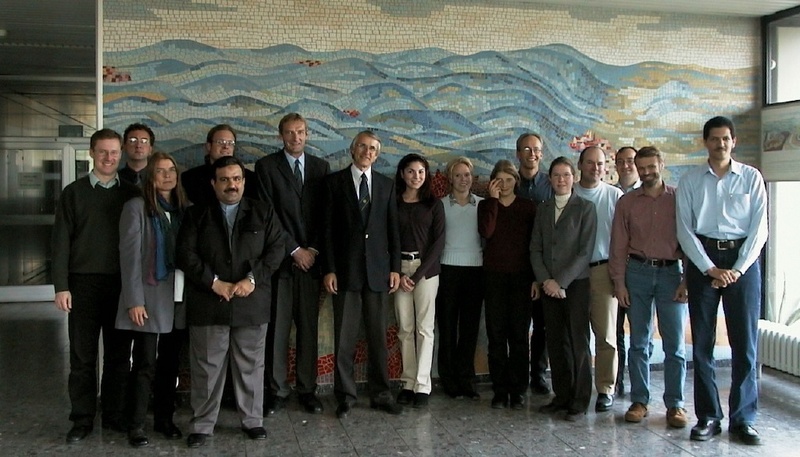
508, 301
458, 317
350, 309
295, 299
95, 299
141, 376
567, 323
166, 377
742, 304
538, 343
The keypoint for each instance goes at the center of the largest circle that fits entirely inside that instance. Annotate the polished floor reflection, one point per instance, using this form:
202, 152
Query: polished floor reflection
34, 405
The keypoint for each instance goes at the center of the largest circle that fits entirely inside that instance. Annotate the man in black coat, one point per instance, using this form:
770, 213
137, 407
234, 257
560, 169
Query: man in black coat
291, 180
361, 263
228, 252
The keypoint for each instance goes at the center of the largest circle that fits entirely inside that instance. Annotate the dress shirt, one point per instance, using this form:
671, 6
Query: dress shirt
290, 158
630, 188
356, 173
94, 181
605, 197
537, 189
728, 208
643, 226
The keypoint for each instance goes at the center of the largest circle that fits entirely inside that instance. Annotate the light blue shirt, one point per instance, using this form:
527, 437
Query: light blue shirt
604, 197
302, 159
94, 181
727, 208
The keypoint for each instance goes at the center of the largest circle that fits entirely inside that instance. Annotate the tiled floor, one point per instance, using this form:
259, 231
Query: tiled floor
34, 409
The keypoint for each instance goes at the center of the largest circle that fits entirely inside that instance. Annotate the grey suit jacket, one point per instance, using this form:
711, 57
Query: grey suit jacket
135, 237
562, 250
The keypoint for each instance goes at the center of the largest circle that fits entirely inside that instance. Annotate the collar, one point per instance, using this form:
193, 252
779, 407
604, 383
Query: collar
94, 181
472, 200
736, 168
356, 174
290, 158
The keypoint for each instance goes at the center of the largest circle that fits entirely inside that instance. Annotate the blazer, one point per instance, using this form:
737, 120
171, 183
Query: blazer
360, 255
135, 238
562, 250
298, 208
203, 251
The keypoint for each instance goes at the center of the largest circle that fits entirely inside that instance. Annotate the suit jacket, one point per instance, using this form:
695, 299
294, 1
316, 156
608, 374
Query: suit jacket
298, 208
197, 184
136, 237
360, 255
203, 252
562, 250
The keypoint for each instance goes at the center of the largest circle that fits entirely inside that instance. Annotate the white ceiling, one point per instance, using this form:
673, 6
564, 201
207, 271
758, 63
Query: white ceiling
52, 42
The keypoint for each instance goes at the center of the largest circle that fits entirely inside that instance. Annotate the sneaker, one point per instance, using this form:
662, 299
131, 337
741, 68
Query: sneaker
676, 417
637, 412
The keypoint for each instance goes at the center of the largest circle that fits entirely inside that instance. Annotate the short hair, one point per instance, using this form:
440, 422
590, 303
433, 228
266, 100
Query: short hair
627, 147
716, 122
580, 158
149, 193
219, 128
425, 194
291, 117
138, 126
226, 161
104, 134
505, 166
561, 161
649, 151
527, 135
368, 134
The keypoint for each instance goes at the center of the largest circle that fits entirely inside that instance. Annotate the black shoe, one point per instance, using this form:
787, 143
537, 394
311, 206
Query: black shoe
255, 433
470, 394
343, 410
604, 403
137, 438
405, 397
276, 404
387, 406
310, 403
744, 433
573, 415
168, 429
517, 401
196, 439
539, 386
705, 429
420, 400
78, 433
500, 401
551, 408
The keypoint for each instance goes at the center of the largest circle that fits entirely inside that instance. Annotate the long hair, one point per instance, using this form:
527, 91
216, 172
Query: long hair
424, 194
177, 196
505, 166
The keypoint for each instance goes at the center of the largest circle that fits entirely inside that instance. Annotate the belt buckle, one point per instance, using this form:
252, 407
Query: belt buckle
654, 262
723, 245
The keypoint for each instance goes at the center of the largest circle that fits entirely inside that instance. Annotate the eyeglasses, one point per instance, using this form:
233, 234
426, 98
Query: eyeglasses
224, 143
134, 140
534, 150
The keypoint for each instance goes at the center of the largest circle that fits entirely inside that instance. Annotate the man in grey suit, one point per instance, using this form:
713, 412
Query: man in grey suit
228, 252
291, 180
561, 246
361, 263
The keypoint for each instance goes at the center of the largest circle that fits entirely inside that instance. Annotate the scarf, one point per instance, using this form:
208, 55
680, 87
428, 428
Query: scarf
165, 231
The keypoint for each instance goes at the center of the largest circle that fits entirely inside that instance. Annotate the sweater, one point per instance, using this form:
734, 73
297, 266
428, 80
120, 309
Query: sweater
462, 243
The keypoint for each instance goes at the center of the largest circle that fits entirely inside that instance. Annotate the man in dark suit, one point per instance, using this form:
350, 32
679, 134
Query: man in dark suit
220, 142
361, 262
228, 252
291, 180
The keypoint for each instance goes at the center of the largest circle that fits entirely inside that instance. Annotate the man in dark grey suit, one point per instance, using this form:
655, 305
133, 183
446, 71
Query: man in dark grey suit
228, 252
361, 262
291, 180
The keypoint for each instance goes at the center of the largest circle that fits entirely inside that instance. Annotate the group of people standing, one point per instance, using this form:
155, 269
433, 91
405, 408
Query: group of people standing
235, 256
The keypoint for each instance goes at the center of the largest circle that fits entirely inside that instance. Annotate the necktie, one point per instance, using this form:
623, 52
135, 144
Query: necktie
298, 176
363, 196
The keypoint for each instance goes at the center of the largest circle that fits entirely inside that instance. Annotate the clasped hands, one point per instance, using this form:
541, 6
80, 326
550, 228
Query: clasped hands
227, 290
723, 277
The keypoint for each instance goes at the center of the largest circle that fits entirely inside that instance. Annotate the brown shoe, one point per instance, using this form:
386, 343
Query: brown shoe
676, 417
636, 412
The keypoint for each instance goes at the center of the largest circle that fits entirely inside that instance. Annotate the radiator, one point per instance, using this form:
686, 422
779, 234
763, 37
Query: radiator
778, 347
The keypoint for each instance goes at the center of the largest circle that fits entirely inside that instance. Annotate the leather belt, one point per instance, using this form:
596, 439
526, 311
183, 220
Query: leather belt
652, 262
599, 262
409, 255
720, 245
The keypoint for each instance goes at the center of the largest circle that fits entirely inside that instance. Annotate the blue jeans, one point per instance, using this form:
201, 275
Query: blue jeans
648, 285
742, 304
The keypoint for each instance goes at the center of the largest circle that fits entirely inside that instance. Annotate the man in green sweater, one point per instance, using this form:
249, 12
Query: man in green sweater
86, 276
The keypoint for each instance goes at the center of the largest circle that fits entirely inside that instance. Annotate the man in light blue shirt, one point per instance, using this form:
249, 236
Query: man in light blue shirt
722, 227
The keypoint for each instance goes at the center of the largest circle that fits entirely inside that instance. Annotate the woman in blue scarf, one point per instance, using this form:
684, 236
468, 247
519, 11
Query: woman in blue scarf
148, 227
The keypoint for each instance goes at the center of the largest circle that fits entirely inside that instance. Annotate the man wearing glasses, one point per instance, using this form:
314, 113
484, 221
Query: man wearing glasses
220, 142
138, 141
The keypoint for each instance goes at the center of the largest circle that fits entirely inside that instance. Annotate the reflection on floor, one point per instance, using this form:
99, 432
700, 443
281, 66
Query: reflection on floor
34, 403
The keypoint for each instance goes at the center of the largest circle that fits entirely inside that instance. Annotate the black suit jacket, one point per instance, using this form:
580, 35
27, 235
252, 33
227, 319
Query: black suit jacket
360, 255
197, 184
203, 251
299, 209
